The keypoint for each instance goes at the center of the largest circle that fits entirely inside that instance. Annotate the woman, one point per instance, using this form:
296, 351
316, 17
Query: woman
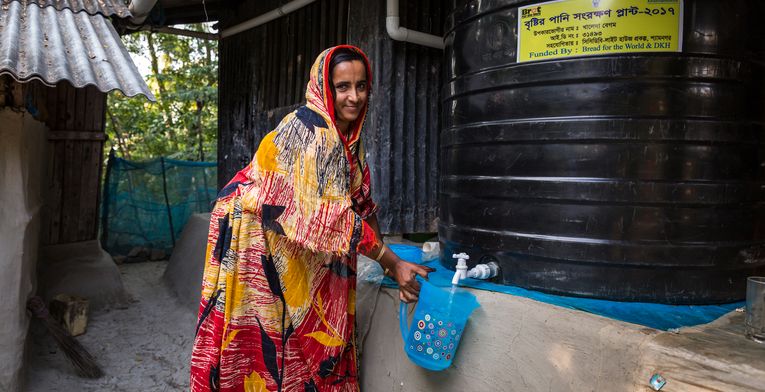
277, 309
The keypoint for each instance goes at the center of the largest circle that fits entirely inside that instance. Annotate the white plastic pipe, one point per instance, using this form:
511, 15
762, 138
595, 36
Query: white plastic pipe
140, 9
398, 33
430, 247
480, 271
265, 18
430, 251
484, 271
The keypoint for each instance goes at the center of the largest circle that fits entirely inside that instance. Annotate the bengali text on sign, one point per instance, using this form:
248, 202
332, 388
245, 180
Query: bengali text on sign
569, 28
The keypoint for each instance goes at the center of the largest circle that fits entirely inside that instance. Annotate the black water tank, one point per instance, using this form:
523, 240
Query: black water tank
637, 177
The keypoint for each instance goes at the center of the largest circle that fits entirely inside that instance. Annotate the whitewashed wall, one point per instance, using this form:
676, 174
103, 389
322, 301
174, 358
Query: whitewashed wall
22, 167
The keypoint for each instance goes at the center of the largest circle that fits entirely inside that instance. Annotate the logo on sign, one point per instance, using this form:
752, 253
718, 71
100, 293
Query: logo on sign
532, 11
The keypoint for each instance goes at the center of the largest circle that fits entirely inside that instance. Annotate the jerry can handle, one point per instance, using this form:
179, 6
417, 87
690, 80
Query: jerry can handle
402, 320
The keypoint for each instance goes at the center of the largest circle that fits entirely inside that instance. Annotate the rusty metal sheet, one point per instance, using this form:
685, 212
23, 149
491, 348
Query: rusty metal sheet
52, 45
92, 7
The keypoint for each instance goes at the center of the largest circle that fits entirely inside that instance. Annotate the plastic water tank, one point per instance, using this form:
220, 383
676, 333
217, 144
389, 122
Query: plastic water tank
625, 176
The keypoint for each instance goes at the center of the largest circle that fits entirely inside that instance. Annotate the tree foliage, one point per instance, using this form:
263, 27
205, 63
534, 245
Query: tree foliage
182, 124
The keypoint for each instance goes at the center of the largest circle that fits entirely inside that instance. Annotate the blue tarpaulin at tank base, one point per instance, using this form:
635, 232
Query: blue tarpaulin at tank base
659, 316
147, 204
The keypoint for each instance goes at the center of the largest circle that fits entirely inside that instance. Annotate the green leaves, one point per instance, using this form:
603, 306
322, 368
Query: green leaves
182, 73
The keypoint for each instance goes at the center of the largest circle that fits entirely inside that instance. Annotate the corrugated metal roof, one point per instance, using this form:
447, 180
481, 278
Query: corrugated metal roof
51, 45
401, 136
92, 7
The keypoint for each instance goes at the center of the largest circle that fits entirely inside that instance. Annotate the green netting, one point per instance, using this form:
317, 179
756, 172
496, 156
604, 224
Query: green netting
147, 203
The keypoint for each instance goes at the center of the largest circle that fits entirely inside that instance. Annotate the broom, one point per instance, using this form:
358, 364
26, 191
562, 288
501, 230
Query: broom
84, 363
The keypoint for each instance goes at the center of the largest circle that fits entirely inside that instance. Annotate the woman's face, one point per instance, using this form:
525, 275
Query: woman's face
350, 82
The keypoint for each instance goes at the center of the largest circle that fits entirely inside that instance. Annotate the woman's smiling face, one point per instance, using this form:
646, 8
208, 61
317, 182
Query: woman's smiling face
349, 79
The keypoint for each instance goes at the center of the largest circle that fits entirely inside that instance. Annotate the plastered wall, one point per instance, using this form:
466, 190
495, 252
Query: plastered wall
22, 164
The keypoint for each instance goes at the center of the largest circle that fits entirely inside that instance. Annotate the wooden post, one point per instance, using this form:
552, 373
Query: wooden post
167, 202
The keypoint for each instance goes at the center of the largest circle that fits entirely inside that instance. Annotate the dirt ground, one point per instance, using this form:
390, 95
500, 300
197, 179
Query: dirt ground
143, 347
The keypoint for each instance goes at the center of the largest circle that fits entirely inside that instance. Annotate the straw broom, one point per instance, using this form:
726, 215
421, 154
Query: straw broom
84, 363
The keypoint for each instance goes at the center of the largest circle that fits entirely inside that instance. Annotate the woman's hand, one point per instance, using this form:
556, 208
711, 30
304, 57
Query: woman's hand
405, 274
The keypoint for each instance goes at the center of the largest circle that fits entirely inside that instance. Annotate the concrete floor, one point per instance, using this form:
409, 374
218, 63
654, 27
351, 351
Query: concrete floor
144, 346
511, 344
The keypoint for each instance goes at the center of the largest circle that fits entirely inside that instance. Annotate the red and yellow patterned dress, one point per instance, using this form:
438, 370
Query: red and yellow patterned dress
278, 293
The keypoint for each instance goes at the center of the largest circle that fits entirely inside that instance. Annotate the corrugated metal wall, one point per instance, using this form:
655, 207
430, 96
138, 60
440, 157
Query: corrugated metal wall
404, 119
263, 73
75, 121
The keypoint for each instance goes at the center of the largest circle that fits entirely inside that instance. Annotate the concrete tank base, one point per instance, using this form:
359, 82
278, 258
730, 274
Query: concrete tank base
83, 269
187, 264
517, 344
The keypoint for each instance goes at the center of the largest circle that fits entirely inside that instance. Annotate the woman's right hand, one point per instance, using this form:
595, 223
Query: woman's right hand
405, 274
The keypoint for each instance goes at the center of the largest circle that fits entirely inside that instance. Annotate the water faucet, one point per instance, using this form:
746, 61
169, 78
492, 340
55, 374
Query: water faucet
461, 268
480, 271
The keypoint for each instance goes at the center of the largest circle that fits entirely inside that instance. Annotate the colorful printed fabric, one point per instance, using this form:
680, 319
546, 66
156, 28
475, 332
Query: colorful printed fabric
278, 293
